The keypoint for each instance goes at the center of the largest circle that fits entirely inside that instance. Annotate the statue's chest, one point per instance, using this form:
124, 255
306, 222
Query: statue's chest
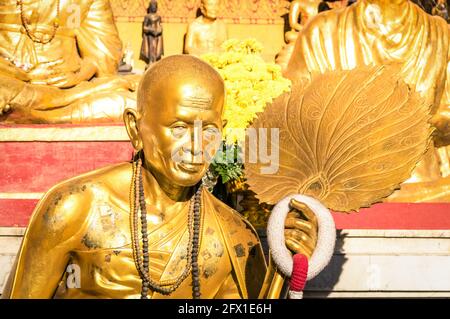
108, 228
210, 33
106, 263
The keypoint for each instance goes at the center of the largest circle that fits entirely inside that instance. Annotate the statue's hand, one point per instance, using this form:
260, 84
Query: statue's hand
301, 229
10, 89
58, 75
5, 107
10, 70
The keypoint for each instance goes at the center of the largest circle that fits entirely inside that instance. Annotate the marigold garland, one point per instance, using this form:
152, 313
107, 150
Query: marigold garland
250, 83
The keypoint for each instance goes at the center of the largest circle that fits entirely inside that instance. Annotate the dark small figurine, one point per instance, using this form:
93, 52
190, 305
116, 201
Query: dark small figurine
440, 9
435, 7
323, 6
152, 48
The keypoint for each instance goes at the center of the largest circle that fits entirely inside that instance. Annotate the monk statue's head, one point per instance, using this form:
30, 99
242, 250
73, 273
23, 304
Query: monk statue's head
210, 8
178, 122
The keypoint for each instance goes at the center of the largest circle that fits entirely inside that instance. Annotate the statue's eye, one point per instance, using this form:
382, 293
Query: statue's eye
211, 130
179, 130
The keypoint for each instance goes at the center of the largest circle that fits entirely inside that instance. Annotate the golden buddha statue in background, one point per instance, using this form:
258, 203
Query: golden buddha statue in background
58, 62
299, 13
84, 223
384, 32
206, 33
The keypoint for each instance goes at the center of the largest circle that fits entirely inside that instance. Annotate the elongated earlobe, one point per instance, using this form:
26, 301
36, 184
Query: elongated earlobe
130, 118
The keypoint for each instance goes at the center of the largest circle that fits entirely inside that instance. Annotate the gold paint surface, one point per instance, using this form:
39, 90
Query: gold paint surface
206, 33
385, 32
236, 12
73, 78
85, 221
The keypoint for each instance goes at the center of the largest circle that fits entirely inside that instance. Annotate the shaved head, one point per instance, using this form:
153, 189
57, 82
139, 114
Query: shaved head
180, 79
178, 123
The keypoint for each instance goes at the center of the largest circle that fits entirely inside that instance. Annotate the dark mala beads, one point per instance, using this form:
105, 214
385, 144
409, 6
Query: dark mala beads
142, 259
196, 245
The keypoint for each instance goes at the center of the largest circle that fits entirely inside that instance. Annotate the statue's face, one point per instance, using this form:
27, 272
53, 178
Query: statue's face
210, 8
182, 133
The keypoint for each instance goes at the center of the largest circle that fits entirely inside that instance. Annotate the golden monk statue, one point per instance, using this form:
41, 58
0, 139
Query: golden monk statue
206, 33
384, 32
148, 228
58, 62
299, 13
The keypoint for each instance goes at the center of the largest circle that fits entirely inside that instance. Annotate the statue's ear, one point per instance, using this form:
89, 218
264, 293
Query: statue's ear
130, 118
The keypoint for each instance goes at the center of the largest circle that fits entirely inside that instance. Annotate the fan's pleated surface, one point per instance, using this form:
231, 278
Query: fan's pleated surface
348, 138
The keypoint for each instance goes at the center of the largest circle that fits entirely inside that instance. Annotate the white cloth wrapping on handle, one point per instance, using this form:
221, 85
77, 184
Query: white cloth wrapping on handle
326, 236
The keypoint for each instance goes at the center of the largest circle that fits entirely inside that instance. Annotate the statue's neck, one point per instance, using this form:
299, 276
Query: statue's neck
162, 192
208, 20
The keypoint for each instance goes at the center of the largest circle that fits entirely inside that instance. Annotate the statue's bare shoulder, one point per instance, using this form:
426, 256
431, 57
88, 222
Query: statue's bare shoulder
65, 209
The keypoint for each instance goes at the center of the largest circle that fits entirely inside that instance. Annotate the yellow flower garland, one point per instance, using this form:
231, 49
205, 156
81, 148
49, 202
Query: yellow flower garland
250, 83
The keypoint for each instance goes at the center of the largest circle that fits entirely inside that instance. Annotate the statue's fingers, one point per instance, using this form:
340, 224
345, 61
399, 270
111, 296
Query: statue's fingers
55, 62
296, 247
303, 225
304, 209
308, 227
48, 81
59, 81
301, 237
294, 213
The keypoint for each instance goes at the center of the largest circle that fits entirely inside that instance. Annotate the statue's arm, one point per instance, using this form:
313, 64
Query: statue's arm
153, 27
147, 25
52, 234
156, 29
98, 39
10, 70
294, 13
189, 43
300, 237
229, 289
223, 33
249, 271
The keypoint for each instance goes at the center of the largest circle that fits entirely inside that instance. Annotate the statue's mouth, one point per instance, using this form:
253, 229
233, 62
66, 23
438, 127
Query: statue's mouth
190, 167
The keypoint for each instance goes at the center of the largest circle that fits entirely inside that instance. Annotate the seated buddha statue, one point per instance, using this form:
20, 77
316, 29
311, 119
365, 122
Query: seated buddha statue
206, 33
58, 63
299, 14
385, 32
147, 228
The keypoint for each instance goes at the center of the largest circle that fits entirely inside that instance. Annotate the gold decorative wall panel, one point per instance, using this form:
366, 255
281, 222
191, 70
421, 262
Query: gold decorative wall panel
182, 11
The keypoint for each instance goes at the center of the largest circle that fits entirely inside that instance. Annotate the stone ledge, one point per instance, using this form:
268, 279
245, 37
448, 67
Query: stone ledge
62, 133
367, 263
12, 231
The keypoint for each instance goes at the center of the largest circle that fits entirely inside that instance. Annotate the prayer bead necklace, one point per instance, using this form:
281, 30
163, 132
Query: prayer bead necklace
141, 258
29, 33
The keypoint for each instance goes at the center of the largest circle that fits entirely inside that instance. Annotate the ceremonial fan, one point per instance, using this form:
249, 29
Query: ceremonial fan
347, 139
